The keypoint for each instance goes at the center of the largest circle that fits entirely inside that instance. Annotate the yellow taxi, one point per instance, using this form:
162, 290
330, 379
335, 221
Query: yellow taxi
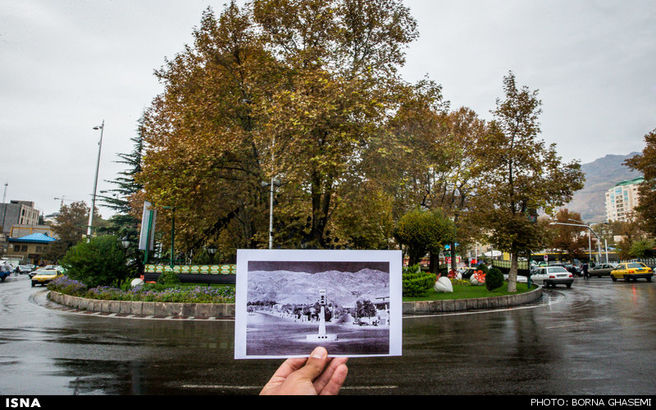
43, 276
631, 271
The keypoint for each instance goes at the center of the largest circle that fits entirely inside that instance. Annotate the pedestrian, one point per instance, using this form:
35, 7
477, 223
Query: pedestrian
586, 275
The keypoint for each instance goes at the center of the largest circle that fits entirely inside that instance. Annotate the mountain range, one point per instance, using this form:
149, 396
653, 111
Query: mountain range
342, 288
600, 175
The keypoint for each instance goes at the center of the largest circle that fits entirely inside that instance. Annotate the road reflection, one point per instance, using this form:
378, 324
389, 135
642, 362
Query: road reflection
597, 338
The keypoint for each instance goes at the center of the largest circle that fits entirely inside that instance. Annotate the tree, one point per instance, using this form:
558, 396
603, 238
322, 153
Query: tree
125, 222
568, 238
424, 231
201, 155
70, 227
521, 175
98, 262
294, 90
342, 57
646, 164
644, 248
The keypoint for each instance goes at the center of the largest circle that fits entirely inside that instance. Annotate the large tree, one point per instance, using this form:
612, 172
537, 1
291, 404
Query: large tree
342, 58
566, 237
70, 227
125, 223
522, 175
288, 89
645, 163
201, 155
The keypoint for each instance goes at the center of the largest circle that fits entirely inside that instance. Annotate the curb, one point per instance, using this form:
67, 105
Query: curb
172, 310
156, 310
462, 305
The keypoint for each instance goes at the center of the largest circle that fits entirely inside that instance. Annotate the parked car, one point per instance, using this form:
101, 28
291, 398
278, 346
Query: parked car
5, 271
520, 278
24, 268
631, 271
600, 270
552, 276
43, 276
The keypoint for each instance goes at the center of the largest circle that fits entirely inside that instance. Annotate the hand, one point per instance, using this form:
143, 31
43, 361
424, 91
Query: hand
315, 375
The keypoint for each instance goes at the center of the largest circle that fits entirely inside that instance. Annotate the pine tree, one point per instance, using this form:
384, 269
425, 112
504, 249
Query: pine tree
124, 223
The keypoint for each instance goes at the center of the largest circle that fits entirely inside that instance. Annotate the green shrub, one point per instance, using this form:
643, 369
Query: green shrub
98, 262
416, 282
493, 279
168, 278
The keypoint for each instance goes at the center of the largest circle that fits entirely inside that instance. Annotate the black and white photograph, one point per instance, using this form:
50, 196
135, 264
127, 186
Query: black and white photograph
290, 301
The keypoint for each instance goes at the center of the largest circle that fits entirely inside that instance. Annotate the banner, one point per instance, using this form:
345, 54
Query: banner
147, 226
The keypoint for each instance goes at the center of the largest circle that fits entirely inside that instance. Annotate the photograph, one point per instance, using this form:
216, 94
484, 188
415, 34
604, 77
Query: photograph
290, 301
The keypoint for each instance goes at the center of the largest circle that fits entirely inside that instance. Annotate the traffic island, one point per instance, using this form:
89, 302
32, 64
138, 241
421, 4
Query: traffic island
146, 309
227, 310
461, 305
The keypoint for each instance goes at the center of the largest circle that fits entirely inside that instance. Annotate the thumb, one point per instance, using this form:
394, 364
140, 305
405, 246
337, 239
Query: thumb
315, 364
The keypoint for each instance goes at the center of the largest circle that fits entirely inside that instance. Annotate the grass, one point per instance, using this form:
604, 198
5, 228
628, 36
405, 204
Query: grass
222, 293
463, 291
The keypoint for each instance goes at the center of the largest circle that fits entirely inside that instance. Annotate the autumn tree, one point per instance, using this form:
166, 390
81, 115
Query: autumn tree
70, 226
201, 156
286, 90
522, 175
566, 237
342, 58
430, 159
645, 163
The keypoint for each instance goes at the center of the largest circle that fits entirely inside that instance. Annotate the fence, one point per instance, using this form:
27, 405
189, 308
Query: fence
504, 266
651, 262
193, 269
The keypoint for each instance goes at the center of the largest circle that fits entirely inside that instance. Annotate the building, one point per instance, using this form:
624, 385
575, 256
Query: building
30, 248
622, 199
17, 213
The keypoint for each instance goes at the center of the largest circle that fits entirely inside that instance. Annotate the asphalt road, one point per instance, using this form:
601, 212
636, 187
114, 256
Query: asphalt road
598, 337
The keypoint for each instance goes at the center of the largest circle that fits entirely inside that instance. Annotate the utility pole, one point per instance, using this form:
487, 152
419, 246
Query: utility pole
95, 181
4, 211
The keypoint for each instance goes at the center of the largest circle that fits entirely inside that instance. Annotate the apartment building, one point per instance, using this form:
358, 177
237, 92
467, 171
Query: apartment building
17, 213
622, 199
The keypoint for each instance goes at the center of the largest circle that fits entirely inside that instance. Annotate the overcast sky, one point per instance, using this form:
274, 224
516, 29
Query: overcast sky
67, 65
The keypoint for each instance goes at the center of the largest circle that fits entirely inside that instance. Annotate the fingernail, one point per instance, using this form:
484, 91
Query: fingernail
319, 352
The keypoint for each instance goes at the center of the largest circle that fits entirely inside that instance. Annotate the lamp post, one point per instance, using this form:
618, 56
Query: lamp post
273, 183
101, 127
211, 250
589, 240
172, 208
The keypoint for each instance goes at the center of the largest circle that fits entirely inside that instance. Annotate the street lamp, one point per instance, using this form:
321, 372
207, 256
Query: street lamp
274, 183
101, 127
589, 240
211, 250
172, 208
125, 242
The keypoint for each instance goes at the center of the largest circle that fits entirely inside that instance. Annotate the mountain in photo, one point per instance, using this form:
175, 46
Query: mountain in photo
600, 175
342, 288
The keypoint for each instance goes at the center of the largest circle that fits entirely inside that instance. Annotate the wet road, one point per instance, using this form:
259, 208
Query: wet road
598, 337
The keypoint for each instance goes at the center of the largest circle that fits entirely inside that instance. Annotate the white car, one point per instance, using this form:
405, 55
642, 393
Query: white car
552, 276
520, 278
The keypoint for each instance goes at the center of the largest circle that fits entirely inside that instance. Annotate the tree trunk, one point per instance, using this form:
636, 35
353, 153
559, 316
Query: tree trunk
512, 275
434, 262
453, 256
